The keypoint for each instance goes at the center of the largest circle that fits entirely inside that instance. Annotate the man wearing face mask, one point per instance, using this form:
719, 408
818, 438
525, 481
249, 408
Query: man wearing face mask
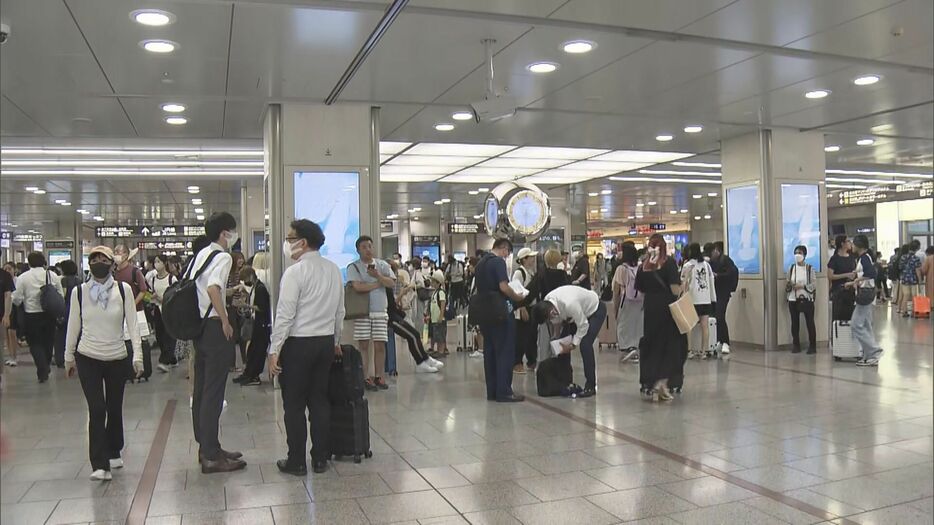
586, 311
214, 348
305, 339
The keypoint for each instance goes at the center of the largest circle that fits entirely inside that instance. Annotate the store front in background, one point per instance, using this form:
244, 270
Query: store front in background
889, 216
607, 241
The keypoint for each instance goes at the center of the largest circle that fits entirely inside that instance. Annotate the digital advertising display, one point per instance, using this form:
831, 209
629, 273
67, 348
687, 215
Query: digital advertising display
801, 223
332, 200
742, 228
58, 255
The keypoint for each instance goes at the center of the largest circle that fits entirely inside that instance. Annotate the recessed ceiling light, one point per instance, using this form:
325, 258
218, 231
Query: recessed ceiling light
416, 209
59, 201
603, 210
196, 202
199, 210
593, 194
176, 121
171, 107
664, 138
684, 211
445, 201
696, 196
66, 203
578, 46
712, 194
865, 142
639, 204
444, 127
694, 128
483, 190
437, 203
697, 217
473, 192
39, 192
98, 218
31, 188
707, 216
542, 67
880, 128
478, 216
159, 46
83, 212
817, 93
606, 192
194, 189
462, 115
199, 217
866, 80
652, 203
152, 17
833, 148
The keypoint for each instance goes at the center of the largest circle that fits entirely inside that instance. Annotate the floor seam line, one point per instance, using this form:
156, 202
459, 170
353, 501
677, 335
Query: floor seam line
824, 376
142, 498
696, 465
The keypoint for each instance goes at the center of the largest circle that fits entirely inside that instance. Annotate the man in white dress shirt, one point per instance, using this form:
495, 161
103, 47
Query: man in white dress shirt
40, 325
214, 348
305, 338
584, 309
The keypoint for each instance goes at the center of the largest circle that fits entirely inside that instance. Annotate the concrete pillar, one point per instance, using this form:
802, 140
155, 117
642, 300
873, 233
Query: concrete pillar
774, 199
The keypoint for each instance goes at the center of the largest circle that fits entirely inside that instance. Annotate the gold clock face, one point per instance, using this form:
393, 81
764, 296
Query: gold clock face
527, 212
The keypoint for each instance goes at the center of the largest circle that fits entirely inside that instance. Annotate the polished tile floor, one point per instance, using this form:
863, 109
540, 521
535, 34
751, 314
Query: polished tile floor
762, 438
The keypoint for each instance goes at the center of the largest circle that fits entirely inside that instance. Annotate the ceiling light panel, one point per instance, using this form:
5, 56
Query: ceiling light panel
542, 152
132, 163
391, 148
509, 162
77, 152
388, 177
602, 165
666, 180
882, 173
698, 164
497, 174
416, 170
465, 150
432, 160
681, 172
460, 177
384, 158
654, 157
551, 178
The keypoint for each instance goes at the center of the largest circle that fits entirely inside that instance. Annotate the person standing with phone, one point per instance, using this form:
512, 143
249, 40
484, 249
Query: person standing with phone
101, 336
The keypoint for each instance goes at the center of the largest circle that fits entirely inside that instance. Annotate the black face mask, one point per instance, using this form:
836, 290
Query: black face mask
100, 269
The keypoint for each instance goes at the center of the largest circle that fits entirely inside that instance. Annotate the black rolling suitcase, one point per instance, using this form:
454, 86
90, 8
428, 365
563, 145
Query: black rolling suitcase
553, 375
350, 413
350, 430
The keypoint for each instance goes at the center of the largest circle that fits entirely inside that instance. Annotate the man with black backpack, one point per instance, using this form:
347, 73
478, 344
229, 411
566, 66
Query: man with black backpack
214, 347
34, 292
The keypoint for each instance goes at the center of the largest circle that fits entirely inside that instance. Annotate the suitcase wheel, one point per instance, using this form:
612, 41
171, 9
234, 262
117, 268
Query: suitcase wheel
356, 458
459, 349
368, 454
837, 358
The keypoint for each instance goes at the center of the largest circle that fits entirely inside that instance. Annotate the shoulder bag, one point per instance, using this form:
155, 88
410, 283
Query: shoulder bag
356, 304
487, 308
682, 309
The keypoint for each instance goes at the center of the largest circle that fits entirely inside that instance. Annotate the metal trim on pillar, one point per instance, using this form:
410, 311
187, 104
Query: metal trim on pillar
373, 186
246, 235
275, 186
769, 267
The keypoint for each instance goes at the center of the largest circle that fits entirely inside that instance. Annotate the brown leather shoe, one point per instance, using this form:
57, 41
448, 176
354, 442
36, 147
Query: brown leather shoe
224, 453
221, 465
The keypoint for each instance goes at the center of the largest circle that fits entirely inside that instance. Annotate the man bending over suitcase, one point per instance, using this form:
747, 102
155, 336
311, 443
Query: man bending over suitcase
583, 308
306, 336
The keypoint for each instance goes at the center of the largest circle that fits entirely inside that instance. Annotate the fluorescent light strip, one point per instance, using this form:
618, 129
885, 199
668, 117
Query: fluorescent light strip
132, 163
543, 152
603, 165
846, 186
161, 173
392, 148
431, 160
868, 181
675, 172
65, 152
458, 150
653, 157
882, 173
662, 180
510, 162
698, 164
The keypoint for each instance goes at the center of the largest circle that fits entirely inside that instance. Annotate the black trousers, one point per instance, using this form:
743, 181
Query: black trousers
256, 353
806, 308
214, 355
103, 383
306, 366
165, 341
408, 332
526, 342
40, 335
723, 330
499, 353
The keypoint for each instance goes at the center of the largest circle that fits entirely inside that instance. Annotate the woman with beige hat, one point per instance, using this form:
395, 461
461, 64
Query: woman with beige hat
102, 331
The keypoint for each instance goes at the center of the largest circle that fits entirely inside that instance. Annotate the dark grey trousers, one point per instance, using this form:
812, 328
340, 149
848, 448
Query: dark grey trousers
214, 355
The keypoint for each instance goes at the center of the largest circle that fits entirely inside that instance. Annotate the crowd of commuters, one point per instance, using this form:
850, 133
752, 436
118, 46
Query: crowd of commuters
549, 296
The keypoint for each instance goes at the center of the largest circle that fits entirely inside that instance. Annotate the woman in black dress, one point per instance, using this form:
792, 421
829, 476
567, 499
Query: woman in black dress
663, 347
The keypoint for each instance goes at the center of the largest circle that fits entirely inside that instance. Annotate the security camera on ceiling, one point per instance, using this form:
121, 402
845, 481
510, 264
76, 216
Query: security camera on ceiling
4, 33
493, 107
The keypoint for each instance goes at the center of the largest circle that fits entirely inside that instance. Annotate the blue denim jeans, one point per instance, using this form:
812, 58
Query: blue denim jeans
861, 325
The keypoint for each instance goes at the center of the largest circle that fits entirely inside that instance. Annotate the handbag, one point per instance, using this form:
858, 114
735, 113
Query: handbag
487, 308
865, 295
682, 310
50, 299
356, 305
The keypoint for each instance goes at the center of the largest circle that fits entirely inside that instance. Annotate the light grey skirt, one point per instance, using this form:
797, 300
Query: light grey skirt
629, 325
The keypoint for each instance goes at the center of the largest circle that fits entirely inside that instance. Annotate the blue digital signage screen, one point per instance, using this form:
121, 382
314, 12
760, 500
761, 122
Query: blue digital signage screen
801, 223
742, 228
332, 200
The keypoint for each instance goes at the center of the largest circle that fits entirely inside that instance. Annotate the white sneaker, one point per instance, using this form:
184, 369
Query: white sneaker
101, 475
224, 406
725, 349
435, 363
163, 368
9, 362
630, 355
475, 353
425, 368
116, 463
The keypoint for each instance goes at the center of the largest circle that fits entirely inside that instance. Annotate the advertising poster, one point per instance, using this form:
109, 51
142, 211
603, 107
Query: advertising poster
801, 223
331, 199
742, 228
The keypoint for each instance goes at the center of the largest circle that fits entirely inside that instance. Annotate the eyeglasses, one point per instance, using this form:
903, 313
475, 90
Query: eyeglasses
292, 239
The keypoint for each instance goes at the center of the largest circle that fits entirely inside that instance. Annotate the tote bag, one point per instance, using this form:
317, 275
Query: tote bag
682, 310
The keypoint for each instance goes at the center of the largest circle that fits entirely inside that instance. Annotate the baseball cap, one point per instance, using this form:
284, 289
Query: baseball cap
525, 252
103, 250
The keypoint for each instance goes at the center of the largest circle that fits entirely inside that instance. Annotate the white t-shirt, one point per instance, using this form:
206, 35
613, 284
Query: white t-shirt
699, 279
158, 286
799, 275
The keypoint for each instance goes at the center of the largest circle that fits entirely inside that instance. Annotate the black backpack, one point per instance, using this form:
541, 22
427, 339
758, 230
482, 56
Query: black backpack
50, 300
554, 375
181, 314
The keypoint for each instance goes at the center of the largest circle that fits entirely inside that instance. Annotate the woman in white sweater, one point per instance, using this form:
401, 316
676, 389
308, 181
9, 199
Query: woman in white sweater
697, 277
102, 328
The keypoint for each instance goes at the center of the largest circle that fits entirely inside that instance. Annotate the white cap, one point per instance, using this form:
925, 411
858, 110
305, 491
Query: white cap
525, 252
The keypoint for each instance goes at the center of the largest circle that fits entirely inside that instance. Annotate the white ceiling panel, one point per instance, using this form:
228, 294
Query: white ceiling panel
285, 51
205, 118
244, 119
15, 122
663, 15
512, 7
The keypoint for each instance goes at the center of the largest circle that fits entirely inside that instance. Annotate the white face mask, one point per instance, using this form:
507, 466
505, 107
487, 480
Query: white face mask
424, 265
289, 249
232, 238
119, 259
799, 258
159, 266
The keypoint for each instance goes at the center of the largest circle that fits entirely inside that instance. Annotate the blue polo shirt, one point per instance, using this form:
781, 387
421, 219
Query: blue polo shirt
490, 272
